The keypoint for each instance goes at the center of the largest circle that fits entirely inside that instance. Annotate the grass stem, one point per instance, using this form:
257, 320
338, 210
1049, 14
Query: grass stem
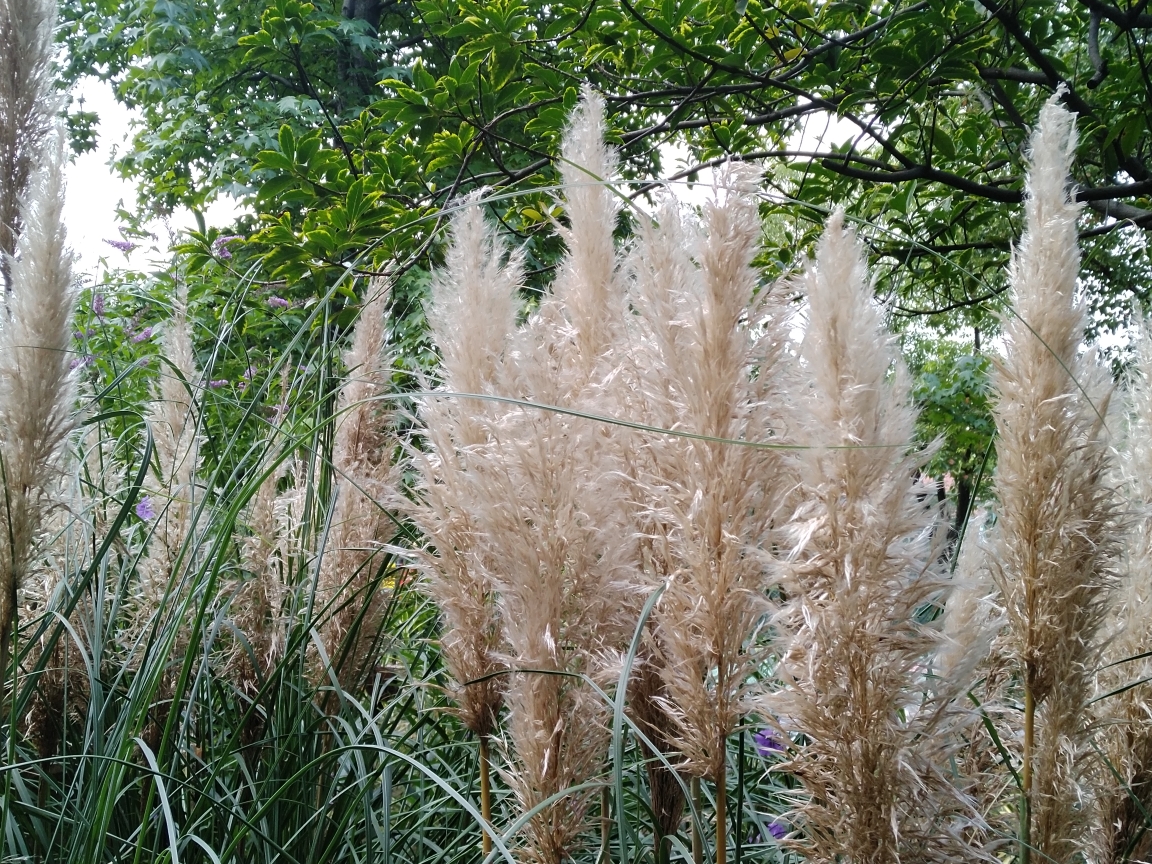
605, 828
697, 841
722, 813
1026, 776
485, 796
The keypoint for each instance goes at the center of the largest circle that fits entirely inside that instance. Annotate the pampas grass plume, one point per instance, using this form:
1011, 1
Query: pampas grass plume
1124, 720
27, 108
174, 418
360, 525
472, 315
36, 386
1054, 541
854, 669
707, 350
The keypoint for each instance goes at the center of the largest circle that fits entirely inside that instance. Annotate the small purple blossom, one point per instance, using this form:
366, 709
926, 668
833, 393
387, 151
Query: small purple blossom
124, 246
220, 245
777, 829
77, 362
98, 304
146, 333
767, 743
145, 510
278, 303
216, 383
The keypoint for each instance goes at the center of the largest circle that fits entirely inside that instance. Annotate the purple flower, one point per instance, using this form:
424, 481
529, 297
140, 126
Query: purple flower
777, 829
146, 333
98, 304
767, 743
277, 302
86, 360
220, 245
123, 245
145, 510
218, 382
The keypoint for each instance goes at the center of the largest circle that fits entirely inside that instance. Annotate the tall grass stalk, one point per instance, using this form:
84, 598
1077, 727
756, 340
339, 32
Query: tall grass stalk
28, 105
479, 287
707, 346
36, 386
348, 590
1121, 710
868, 744
1055, 538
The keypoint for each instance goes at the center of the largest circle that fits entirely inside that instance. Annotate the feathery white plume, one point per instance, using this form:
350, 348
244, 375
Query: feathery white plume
1054, 540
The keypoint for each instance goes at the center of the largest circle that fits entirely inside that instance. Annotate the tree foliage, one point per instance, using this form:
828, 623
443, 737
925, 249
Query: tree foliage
351, 128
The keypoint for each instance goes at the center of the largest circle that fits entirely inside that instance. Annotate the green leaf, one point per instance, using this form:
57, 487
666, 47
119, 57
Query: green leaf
273, 160
942, 143
504, 59
287, 141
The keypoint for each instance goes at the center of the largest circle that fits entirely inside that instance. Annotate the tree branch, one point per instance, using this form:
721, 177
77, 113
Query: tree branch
1133, 18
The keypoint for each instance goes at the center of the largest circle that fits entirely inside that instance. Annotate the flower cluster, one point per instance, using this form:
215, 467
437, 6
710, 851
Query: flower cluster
220, 246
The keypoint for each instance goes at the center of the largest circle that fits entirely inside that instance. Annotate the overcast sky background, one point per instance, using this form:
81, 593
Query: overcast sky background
95, 192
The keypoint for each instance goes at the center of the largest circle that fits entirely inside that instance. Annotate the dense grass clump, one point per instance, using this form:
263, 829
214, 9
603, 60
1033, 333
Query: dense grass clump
647, 571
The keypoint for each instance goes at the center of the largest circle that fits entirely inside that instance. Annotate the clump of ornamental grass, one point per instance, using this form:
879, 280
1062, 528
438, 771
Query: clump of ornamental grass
1054, 541
477, 286
1123, 712
169, 509
551, 510
172, 492
256, 600
524, 503
868, 741
27, 110
350, 598
36, 386
707, 346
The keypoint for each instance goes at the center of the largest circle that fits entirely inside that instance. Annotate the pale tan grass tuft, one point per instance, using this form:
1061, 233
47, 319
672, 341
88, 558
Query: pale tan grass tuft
586, 287
1123, 721
523, 506
1054, 539
347, 593
972, 618
706, 351
37, 393
472, 315
28, 106
172, 490
856, 697
256, 600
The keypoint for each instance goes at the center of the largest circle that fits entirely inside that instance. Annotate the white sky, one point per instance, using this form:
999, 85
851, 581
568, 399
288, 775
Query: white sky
95, 191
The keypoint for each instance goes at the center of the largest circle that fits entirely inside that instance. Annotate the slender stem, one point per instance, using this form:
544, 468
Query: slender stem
740, 801
485, 797
1026, 776
697, 841
722, 813
605, 828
